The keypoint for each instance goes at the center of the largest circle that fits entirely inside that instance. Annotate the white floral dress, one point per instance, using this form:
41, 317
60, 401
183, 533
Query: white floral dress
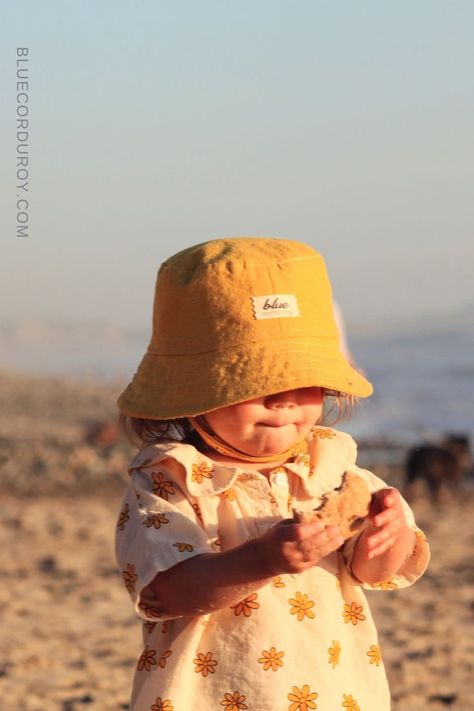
304, 641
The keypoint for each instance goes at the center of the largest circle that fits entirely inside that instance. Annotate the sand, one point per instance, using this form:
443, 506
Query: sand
69, 638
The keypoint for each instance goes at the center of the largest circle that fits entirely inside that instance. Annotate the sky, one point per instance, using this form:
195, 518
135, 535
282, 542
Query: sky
154, 125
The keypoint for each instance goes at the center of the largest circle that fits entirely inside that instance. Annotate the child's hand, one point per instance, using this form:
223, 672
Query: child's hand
383, 548
387, 522
289, 547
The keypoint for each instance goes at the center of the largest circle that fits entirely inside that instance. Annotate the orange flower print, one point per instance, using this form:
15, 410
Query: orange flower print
375, 655
245, 607
349, 703
201, 471
149, 610
229, 495
272, 498
164, 658
155, 520
278, 582
301, 606
234, 701
184, 547
302, 699
322, 434
160, 705
419, 536
385, 585
130, 577
334, 653
271, 659
147, 660
123, 518
353, 613
161, 487
205, 664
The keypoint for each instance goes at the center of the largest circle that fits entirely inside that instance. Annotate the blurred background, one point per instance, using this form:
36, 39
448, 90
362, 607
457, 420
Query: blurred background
156, 125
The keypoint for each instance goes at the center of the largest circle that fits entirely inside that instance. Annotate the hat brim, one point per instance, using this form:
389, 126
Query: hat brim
171, 386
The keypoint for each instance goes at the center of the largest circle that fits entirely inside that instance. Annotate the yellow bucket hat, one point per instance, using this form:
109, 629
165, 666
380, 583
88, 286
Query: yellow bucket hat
234, 319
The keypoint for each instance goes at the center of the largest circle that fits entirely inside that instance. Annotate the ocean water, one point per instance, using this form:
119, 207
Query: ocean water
423, 385
423, 379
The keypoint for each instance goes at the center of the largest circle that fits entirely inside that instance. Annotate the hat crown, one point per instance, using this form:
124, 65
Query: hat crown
226, 292
234, 319
225, 251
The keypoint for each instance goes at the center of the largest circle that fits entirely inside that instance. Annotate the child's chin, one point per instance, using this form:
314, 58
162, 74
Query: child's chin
275, 446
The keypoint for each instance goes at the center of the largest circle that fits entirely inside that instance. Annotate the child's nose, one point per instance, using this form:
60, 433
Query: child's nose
280, 400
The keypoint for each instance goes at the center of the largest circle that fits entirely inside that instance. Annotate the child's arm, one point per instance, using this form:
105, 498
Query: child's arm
211, 581
383, 548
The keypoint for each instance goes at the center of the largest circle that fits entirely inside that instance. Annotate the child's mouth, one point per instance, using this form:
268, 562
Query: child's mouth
274, 425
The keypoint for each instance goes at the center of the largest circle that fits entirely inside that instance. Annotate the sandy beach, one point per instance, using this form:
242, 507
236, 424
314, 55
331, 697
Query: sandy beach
69, 638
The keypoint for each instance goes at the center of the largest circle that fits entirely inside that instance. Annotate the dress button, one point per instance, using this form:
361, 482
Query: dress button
280, 479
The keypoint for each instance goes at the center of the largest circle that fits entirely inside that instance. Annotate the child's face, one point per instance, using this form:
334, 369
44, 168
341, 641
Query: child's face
268, 425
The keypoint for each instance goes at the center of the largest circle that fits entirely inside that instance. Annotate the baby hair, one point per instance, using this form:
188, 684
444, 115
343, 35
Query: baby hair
139, 430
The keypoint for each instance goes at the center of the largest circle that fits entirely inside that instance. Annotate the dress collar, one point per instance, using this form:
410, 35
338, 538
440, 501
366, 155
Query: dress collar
330, 453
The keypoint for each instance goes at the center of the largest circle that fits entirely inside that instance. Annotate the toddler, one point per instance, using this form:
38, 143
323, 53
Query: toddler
243, 608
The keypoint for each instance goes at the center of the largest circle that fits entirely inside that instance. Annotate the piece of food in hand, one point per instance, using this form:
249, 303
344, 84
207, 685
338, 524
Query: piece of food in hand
346, 507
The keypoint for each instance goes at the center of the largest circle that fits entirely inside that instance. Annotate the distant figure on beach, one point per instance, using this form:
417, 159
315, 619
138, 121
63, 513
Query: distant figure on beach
248, 598
439, 467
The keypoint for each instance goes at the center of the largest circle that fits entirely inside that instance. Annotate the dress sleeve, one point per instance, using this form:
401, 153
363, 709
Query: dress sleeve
159, 525
416, 562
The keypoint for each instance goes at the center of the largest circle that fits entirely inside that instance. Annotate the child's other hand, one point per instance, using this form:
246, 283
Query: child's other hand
387, 521
289, 547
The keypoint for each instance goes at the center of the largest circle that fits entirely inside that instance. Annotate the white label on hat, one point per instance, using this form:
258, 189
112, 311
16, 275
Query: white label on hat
275, 306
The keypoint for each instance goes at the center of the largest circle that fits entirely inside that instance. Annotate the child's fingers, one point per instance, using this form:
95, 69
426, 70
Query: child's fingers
386, 506
380, 539
387, 520
390, 497
388, 516
287, 535
288, 530
389, 523
385, 537
307, 530
384, 498
328, 533
291, 547
322, 542
380, 549
311, 532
